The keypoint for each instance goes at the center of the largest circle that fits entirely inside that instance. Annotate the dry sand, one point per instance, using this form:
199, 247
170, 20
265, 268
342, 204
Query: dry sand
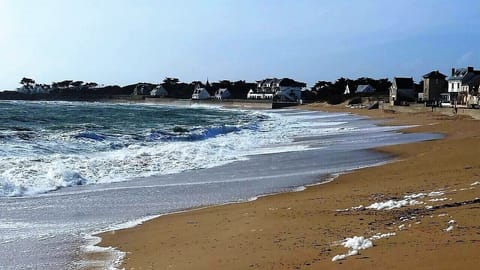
302, 230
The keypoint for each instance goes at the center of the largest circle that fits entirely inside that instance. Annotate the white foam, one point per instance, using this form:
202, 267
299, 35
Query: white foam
408, 200
299, 189
415, 196
392, 204
29, 174
114, 256
436, 193
112, 260
438, 199
357, 243
353, 208
449, 228
382, 235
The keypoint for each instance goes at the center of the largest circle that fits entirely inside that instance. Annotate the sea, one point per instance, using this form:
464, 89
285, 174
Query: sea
69, 170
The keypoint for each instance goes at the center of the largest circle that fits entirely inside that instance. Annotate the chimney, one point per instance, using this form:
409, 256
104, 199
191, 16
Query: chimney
453, 71
470, 69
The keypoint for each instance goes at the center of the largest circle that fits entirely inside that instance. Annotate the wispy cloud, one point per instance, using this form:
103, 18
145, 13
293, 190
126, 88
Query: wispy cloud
466, 59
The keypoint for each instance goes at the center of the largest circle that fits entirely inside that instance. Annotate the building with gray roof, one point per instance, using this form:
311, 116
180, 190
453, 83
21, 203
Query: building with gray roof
434, 84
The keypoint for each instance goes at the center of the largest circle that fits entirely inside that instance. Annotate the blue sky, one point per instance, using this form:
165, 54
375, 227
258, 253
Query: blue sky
123, 42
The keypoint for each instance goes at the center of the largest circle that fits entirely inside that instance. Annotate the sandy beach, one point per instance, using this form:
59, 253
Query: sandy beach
436, 228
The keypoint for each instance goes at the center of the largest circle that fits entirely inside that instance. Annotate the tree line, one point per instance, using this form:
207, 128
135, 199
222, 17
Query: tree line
332, 92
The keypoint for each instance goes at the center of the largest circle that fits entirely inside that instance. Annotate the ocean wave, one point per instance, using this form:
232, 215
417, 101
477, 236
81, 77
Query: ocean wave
93, 153
194, 134
90, 135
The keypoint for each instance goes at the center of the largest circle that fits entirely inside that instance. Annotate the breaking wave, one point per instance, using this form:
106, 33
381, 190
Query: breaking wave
70, 144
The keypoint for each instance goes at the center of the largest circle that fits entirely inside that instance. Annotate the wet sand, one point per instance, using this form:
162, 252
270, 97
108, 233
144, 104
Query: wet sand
302, 230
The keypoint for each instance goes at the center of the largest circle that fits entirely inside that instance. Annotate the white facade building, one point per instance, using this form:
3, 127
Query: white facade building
35, 89
222, 93
461, 84
159, 91
280, 89
200, 93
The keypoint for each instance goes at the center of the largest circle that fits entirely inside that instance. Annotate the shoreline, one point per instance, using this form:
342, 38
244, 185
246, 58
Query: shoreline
98, 256
110, 237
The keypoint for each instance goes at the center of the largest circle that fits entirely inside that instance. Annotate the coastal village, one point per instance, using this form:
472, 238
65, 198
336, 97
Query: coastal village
233, 135
458, 89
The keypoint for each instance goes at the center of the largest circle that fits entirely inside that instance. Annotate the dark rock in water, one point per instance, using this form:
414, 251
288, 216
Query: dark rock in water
180, 130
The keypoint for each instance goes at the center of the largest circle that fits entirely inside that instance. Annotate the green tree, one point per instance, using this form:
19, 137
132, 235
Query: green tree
171, 81
27, 81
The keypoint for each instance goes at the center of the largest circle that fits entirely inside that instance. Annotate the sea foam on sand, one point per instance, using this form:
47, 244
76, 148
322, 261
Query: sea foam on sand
357, 243
407, 200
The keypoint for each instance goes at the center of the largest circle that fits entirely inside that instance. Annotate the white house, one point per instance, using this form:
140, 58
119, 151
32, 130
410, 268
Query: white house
159, 91
35, 89
252, 94
142, 89
289, 94
265, 89
280, 89
461, 84
222, 93
402, 89
200, 93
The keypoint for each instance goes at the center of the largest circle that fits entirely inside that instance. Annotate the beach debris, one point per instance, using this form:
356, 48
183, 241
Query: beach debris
457, 204
475, 183
357, 243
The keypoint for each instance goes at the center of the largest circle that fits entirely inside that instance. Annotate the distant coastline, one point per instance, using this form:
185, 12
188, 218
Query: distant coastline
266, 90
